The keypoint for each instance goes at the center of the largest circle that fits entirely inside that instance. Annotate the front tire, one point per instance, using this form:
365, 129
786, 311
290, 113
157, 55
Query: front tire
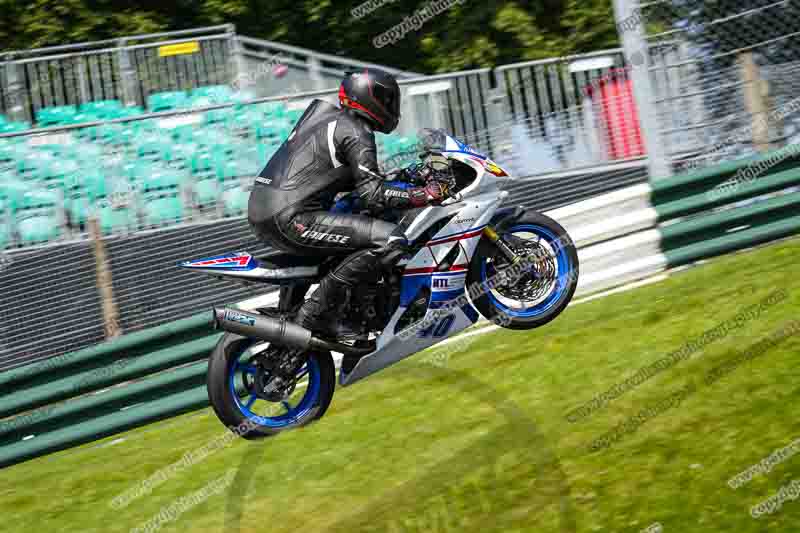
543, 290
235, 406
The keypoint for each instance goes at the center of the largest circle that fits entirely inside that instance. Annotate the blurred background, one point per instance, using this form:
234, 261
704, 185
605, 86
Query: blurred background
130, 136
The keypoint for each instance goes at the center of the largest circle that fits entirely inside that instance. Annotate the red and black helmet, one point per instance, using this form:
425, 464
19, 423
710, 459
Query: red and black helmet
374, 95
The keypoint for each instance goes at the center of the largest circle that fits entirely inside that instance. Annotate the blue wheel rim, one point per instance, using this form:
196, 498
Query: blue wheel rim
563, 266
293, 414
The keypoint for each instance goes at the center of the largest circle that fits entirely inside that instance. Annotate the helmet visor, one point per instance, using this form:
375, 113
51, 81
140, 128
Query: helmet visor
388, 97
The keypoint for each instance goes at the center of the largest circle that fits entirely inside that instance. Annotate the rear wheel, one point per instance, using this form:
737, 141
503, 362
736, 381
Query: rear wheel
240, 388
533, 293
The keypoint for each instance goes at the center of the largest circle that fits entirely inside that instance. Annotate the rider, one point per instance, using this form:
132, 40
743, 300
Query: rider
332, 150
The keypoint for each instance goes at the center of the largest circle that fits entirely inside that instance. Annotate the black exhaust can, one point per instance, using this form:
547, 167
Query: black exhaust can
278, 331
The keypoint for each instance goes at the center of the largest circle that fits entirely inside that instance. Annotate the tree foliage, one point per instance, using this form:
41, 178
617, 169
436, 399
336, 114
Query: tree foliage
472, 34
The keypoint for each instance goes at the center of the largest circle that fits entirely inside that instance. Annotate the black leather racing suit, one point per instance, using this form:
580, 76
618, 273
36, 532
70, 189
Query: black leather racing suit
290, 204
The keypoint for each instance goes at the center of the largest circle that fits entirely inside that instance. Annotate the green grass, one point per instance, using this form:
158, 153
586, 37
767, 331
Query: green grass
482, 443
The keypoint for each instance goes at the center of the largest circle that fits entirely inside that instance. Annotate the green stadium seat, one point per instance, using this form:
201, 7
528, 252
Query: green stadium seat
293, 115
91, 133
55, 116
38, 229
35, 164
58, 150
88, 154
115, 220
59, 174
103, 109
11, 151
118, 134
159, 179
216, 160
240, 168
137, 170
202, 162
12, 190
163, 211
130, 111
154, 147
14, 127
211, 95
180, 156
182, 134
274, 129
94, 133
217, 116
272, 110
35, 215
90, 181
167, 101
235, 201
214, 138
206, 192
37, 199
82, 118
249, 117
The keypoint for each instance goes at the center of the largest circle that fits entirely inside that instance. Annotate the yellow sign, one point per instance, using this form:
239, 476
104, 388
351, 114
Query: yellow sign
178, 49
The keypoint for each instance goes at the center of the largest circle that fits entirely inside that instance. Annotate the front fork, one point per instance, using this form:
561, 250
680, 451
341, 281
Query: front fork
508, 253
502, 220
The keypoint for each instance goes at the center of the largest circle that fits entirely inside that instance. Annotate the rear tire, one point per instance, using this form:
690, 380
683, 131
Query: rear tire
488, 260
222, 362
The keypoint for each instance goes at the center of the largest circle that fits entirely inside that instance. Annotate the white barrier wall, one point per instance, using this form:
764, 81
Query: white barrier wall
616, 237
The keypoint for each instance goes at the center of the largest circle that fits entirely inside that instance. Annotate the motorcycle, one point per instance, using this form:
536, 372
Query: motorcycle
469, 257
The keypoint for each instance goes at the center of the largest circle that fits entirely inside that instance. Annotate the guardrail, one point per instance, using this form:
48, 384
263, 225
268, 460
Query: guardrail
642, 230
158, 373
717, 211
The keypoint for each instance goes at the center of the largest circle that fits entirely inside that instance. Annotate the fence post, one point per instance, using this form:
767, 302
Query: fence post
238, 62
631, 28
497, 117
315, 74
104, 284
127, 75
755, 100
17, 105
83, 83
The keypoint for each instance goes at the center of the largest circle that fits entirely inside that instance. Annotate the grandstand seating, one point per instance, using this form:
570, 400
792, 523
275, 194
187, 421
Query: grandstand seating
141, 174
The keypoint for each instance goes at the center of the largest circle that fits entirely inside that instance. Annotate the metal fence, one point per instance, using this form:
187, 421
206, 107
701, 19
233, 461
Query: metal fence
717, 71
127, 69
130, 69
306, 70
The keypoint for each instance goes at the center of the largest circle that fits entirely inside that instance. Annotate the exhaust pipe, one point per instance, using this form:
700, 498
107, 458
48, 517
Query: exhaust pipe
277, 331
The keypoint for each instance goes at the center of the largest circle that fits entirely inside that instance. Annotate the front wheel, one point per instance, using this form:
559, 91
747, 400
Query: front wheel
535, 291
238, 376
